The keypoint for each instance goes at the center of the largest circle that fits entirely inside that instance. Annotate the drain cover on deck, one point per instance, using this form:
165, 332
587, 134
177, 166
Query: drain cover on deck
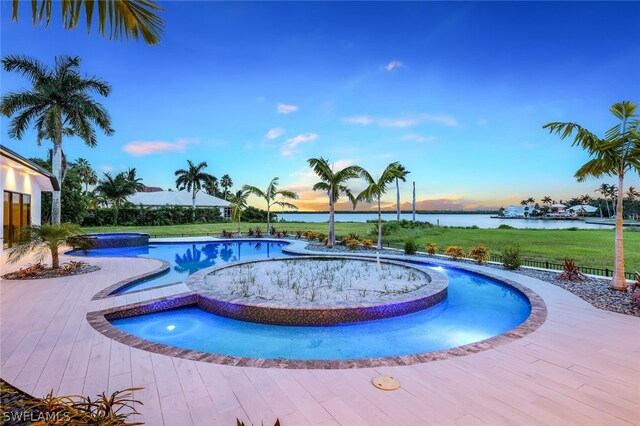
388, 383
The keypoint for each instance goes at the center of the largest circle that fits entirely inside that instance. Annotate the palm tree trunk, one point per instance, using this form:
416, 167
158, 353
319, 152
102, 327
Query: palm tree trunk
379, 226
619, 282
268, 217
56, 167
55, 259
608, 211
193, 205
398, 199
332, 238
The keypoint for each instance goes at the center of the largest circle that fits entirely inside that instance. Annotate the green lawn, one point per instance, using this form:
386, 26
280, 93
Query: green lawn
589, 247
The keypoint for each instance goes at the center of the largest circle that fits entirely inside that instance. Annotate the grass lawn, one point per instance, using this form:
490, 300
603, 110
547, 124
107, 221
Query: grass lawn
592, 247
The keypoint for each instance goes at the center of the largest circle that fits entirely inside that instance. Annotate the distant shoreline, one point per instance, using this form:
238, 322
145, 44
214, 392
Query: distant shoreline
393, 211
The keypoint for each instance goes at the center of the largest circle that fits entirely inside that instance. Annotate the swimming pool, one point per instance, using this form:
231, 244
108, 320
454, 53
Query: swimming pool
186, 258
476, 309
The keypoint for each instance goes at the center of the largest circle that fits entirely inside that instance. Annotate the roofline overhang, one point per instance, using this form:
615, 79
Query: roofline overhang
6, 152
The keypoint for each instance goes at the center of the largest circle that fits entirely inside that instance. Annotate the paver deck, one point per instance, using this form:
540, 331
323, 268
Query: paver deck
582, 366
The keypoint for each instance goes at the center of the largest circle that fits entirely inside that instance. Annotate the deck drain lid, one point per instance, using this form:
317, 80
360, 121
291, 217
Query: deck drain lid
387, 383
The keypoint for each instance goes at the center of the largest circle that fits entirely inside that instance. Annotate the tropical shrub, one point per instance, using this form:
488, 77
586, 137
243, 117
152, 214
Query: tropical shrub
321, 236
299, 234
505, 226
258, 232
352, 244
455, 252
143, 216
47, 239
480, 253
431, 248
367, 243
115, 409
410, 247
511, 257
570, 271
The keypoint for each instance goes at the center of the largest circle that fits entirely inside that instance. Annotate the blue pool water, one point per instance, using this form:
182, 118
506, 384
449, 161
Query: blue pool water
187, 258
477, 308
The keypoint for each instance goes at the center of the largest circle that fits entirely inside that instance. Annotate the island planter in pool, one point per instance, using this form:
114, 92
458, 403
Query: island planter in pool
116, 240
317, 290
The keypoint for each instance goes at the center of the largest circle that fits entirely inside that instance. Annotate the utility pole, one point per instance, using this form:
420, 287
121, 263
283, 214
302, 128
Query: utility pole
414, 201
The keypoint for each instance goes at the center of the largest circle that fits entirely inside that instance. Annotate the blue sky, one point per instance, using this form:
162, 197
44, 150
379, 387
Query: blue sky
455, 91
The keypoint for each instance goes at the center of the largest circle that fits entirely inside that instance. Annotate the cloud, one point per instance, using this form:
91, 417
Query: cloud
393, 65
415, 119
288, 147
407, 120
358, 119
414, 137
274, 133
106, 168
286, 109
143, 148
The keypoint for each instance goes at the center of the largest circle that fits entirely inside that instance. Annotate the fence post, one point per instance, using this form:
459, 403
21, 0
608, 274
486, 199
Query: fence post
606, 272
547, 264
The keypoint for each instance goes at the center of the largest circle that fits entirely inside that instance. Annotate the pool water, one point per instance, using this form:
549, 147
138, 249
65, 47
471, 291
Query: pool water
477, 308
187, 258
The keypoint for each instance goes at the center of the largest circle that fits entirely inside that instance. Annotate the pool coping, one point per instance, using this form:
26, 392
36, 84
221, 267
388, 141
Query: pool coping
99, 321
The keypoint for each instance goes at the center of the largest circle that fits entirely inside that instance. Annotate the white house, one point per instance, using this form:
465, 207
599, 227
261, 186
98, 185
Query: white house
180, 198
22, 183
518, 211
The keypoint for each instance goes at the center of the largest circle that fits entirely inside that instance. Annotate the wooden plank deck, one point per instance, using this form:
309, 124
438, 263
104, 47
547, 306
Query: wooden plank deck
582, 366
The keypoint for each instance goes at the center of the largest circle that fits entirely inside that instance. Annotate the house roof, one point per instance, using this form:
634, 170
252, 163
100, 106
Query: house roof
47, 180
176, 198
583, 208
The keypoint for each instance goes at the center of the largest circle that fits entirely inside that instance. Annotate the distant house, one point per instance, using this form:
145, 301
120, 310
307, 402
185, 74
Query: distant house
560, 211
180, 198
519, 211
22, 182
583, 210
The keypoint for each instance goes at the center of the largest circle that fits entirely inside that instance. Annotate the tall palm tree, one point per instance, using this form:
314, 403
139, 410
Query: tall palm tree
226, 183
87, 175
128, 18
116, 189
402, 177
334, 184
269, 195
546, 200
239, 203
59, 104
193, 179
376, 188
614, 155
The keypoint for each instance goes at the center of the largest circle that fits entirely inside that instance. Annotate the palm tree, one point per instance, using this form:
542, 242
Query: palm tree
377, 188
546, 200
211, 187
128, 18
118, 188
135, 183
46, 239
402, 177
87, 175
614, 155
226, 183
59, 104
334, 184
192, 179
613, 194
269, 195
604, 190
239, 202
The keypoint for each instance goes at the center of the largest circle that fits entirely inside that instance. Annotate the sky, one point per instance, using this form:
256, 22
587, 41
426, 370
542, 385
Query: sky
457, 92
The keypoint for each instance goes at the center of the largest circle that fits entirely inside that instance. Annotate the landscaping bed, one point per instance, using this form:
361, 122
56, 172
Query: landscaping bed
39, 271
